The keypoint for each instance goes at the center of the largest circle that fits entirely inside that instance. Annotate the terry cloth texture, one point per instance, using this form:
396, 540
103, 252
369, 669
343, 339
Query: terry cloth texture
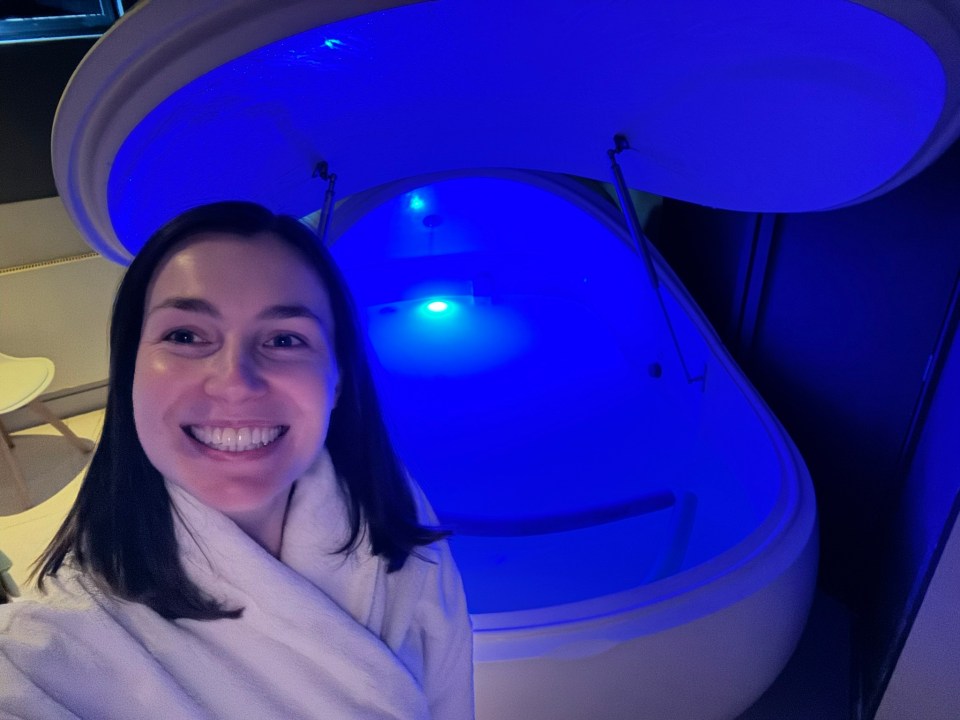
322, 635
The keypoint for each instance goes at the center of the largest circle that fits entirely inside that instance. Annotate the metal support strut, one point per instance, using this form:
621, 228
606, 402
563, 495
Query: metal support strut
322, 171
621, 143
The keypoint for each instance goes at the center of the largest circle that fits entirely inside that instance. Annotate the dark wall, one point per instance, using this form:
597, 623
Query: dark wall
32, 78
848, 308
853, 306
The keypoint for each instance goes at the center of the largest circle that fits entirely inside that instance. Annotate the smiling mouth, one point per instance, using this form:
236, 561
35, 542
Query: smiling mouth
237, 440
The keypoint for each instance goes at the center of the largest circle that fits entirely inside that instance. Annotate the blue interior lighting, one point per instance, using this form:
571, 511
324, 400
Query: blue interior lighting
811, 117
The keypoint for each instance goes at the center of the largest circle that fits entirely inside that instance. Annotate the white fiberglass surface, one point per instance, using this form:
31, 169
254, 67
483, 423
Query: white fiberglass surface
744, 104
515, 335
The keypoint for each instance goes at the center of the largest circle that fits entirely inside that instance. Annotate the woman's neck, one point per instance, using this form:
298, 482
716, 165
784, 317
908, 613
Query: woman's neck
265, 525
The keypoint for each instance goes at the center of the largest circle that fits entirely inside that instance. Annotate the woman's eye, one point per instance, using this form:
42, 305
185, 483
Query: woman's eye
181, 337
285, 341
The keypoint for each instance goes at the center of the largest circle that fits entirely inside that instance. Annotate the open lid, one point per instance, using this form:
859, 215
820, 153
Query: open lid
743, 104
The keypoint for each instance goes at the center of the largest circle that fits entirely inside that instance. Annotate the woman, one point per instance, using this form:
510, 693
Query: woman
245, 542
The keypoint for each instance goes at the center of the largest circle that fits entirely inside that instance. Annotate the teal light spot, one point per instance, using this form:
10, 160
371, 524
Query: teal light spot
332, 43
417, 203
437, 306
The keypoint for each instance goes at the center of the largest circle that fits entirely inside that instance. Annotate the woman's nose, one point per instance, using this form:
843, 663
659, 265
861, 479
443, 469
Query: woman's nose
234, 374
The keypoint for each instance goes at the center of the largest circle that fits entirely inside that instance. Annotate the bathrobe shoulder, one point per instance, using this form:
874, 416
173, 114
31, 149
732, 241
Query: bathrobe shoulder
322, 634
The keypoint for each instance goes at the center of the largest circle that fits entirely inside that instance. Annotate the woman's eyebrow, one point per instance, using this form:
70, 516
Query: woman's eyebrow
283, 312
274, 312
189, 304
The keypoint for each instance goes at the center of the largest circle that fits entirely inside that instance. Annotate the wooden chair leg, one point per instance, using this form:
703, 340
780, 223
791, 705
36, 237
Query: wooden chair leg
18, 481
83, 444
6, 435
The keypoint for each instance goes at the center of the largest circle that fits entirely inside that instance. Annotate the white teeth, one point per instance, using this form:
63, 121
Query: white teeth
235, 439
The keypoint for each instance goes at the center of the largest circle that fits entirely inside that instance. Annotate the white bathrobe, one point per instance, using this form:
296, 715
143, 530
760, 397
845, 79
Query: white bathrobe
322, 635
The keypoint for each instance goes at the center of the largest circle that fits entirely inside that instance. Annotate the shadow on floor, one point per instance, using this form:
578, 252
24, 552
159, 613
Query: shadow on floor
47, 463
816, 683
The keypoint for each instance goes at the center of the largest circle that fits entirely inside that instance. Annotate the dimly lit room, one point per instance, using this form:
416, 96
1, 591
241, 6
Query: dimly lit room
660, 303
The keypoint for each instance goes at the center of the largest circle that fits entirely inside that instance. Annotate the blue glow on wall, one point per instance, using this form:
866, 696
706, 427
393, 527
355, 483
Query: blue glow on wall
446, 339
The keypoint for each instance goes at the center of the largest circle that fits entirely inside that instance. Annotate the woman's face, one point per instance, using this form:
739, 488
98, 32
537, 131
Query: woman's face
235, 375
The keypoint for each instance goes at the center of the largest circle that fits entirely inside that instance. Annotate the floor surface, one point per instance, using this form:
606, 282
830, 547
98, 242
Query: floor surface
816, 684
52, 469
